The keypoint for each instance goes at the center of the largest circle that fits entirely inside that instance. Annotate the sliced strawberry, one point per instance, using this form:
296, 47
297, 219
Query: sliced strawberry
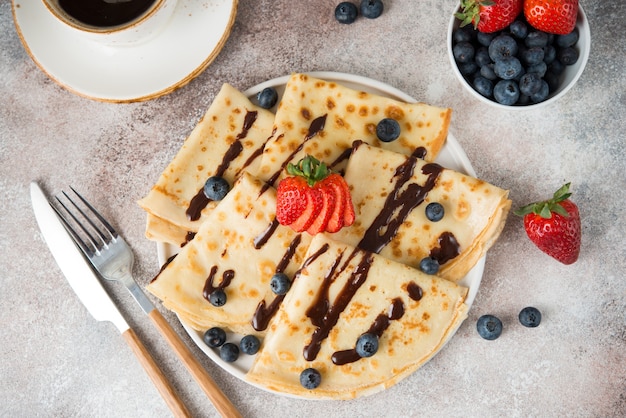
328, 207
291, 199
314, 204
348, 213
336, 222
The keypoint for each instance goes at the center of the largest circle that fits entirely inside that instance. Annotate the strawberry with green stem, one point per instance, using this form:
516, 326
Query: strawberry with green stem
489, 16
554, 226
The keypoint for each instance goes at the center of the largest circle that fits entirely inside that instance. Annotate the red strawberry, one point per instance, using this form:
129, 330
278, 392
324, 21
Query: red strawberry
554, 226
293, 199
552, 16
489, 15
317, 201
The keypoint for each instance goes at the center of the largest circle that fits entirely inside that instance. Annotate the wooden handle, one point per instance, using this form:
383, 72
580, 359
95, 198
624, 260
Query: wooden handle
208, 385
158, 378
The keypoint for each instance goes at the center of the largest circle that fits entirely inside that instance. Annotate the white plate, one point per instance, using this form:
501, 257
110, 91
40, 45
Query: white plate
451, 156
188, 43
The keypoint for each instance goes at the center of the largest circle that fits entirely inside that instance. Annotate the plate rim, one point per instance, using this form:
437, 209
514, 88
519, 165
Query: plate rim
472, 280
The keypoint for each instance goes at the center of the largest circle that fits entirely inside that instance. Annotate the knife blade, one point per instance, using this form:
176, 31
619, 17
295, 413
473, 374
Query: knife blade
89, 290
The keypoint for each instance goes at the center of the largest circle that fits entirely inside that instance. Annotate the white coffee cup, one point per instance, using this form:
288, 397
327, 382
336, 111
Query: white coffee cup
113, 22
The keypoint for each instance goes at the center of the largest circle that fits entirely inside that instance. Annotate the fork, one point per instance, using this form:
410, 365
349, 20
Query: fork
113, 259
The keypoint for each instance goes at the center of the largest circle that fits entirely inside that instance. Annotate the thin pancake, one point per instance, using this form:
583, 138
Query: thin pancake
341, 293
323, 118
390, 193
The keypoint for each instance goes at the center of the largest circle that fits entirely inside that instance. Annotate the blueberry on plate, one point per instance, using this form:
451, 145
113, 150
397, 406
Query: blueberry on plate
214, 337
267, 97
280, 283
371, 9
346, 12
489, 327
229, 352
506, 92
216, 188
367, 345
429, 265
310, 378
388, 130
434, 211
530, 317
249, 344
217, 297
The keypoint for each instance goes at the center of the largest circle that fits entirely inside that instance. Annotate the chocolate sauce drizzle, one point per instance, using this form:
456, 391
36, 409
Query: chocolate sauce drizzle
316, 126
380, 324
261, 240
325, 315
448, 248
210, 287
399, 204
199, 201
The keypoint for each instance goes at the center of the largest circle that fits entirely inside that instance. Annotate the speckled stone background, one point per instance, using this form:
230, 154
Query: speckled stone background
55, 360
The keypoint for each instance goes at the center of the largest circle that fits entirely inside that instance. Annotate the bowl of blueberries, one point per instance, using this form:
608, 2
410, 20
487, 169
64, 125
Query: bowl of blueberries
519, 66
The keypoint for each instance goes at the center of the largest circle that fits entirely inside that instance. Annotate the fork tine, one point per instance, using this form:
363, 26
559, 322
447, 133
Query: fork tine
77, 238
101, 218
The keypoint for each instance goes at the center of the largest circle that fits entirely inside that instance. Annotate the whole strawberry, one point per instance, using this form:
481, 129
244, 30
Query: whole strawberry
554, 226
489, 15
552, 16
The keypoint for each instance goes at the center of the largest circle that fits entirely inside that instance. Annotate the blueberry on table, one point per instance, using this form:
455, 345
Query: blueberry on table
310, 378
249, 344
367, 345
489, 327
229, 352
429, 265
371, 9
280, 283
267, 97
388, 130
216, 188
214, 337
346, 12
506, 92
530, 317
217, 297
434, 211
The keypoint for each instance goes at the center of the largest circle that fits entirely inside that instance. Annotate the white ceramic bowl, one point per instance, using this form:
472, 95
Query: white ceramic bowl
570, 76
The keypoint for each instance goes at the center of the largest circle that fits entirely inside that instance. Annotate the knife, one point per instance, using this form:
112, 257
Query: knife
87, 287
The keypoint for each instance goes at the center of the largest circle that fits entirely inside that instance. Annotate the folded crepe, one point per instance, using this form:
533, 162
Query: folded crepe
238, 248
340, 293
322, 118
228, 140
390, 192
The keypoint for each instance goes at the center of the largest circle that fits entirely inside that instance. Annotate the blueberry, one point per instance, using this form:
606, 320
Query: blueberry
487, 72
530, 317
532, 56
367, 345
217, 297
519, 29
485, 38
267, 97
229, 352
564, 41
483, 86
556, 67
346, 12
464, 34
280, 283
529, 84
542, 93
214, 337
502, 46
468, 68
310, 378
489, 327
463, 52
553, 80
429, 265
539, 69
371, 9
506, 92
434, 211
249, 344
388, 130
482, 56
508, 68
536, 38
567, 56
549, 54
216, 188
523, 100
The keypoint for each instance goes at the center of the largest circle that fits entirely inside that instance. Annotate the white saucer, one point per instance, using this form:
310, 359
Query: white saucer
191, 40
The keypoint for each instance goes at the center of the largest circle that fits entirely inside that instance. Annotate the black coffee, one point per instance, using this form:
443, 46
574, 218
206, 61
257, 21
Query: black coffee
105, 12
